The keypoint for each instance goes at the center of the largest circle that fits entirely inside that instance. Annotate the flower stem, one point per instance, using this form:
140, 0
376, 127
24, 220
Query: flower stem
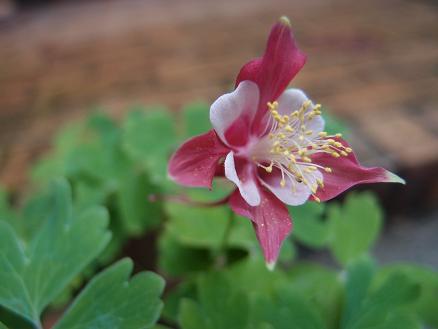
221, 254
185, 200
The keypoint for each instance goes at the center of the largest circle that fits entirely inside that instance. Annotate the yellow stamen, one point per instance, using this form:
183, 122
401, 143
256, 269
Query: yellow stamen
292, 146
289, 129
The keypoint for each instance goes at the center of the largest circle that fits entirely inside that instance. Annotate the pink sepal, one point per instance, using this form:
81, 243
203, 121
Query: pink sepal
270, 219
196, 162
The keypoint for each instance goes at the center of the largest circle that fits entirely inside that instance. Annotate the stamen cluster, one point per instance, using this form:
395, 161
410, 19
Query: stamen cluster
291, 143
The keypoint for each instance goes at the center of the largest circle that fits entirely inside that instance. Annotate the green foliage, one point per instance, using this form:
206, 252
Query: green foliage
216, 298
34, 270
177, 259
193, 236
137, 213
118, 186
111, 300
205, 227
348, 230
358, 280
252, 274
195, 119
257, 299
322, 287
309, 227
427, 282
309, 296
101, 161
285, 310
149, 138
378, 308
27, 269
354, 227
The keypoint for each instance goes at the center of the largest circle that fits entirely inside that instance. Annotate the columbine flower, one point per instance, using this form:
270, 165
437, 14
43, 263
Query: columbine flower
270, 142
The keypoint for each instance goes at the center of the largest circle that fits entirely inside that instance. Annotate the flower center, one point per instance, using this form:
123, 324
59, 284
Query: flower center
291, 141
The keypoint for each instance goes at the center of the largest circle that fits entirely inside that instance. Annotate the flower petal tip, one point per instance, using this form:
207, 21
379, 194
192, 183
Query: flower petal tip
285, 21
393, 178
270, 266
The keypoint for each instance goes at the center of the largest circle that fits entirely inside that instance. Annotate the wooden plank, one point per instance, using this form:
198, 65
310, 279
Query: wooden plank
371, 62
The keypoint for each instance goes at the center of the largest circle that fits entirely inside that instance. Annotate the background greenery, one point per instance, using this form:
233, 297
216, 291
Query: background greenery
104, 184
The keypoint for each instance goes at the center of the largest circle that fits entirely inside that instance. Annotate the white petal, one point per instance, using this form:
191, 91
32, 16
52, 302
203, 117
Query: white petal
293, 193
291, 100
227, 108
245, 181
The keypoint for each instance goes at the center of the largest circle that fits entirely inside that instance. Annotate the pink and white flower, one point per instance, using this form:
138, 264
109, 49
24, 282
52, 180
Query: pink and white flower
270, 142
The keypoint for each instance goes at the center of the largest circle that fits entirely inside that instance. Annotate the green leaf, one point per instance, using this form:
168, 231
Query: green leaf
196, 119
176, 259
200, 229
359, 276
47, 203
427, 280
285, 310
252, 275
309, 228
378, 307
323, 290
99, 158
90, 155
219, 306
111, 300
54, 164
205, 227
173, 299
397, 291
138, 213
149, 137
33, 274
88, 193
401, 319
191, 316
354, 226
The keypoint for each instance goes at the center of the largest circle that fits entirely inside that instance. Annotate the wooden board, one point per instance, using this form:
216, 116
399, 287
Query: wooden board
371, 62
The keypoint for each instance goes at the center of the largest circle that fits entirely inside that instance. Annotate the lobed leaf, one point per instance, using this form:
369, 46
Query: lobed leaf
33, 273
149, 138
111, 300
377, 309
353, 227
219, 306
426, 279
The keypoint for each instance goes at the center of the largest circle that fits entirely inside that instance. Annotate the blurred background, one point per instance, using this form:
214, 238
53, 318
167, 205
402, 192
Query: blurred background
373, 64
